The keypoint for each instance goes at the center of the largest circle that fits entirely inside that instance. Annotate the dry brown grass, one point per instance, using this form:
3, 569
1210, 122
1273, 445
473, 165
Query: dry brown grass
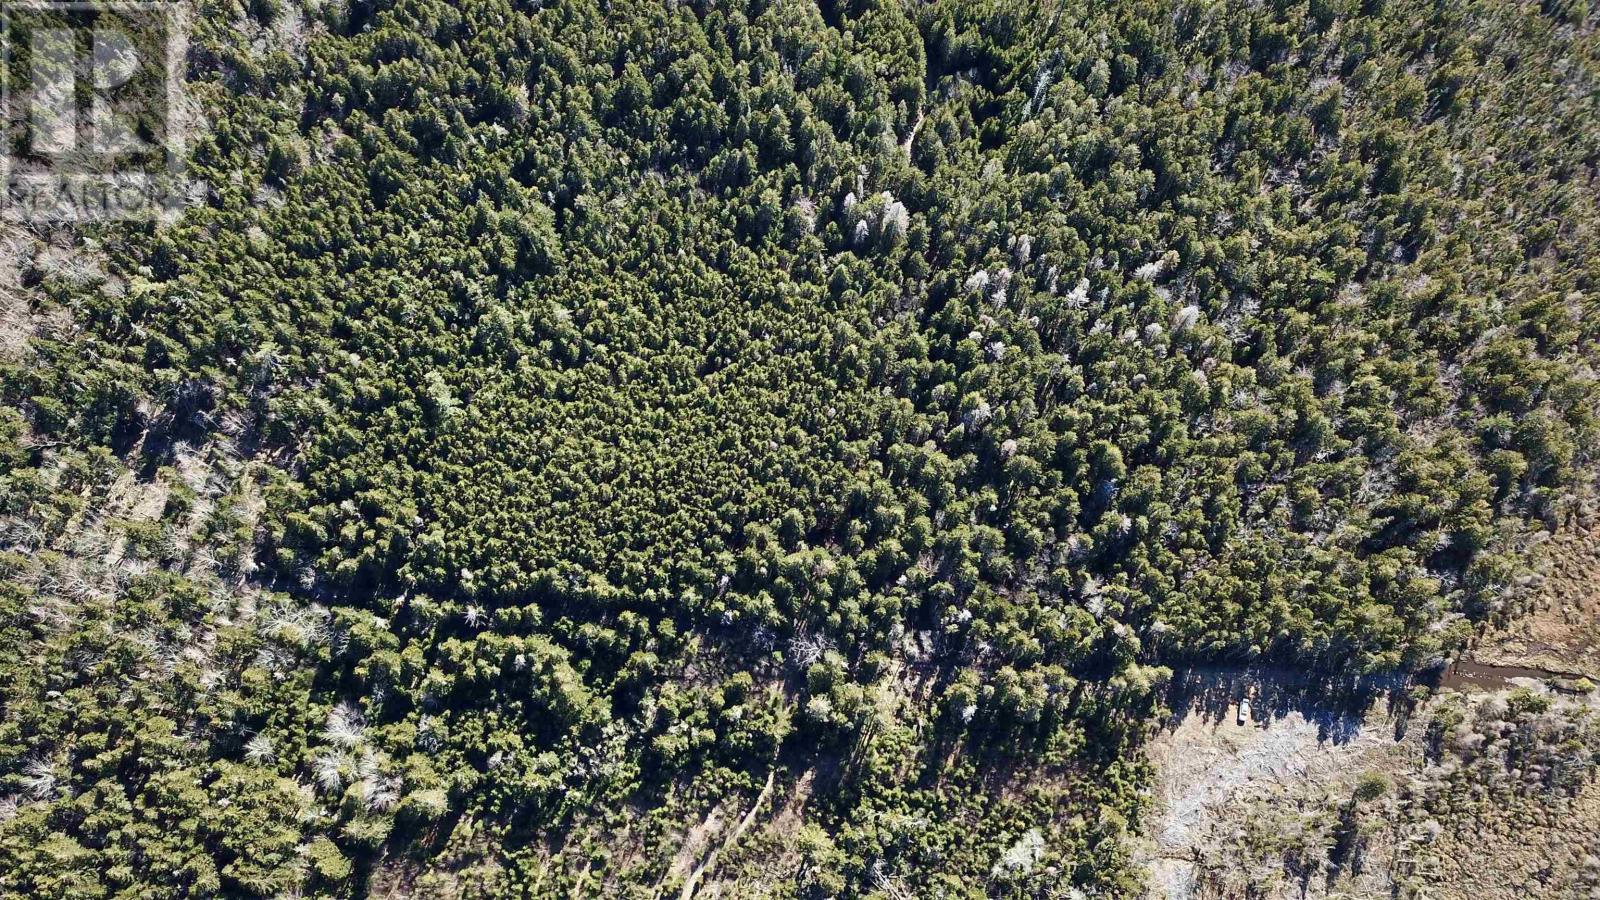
1269, 812
1561, 631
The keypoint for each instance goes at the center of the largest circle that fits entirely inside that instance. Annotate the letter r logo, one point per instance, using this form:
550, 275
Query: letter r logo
92, 110
55, 111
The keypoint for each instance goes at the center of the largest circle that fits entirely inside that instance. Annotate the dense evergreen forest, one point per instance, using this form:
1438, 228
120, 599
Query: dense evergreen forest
560, 422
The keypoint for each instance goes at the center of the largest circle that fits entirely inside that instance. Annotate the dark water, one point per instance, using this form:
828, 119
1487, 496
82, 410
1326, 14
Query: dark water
1469, 674
1337, 703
